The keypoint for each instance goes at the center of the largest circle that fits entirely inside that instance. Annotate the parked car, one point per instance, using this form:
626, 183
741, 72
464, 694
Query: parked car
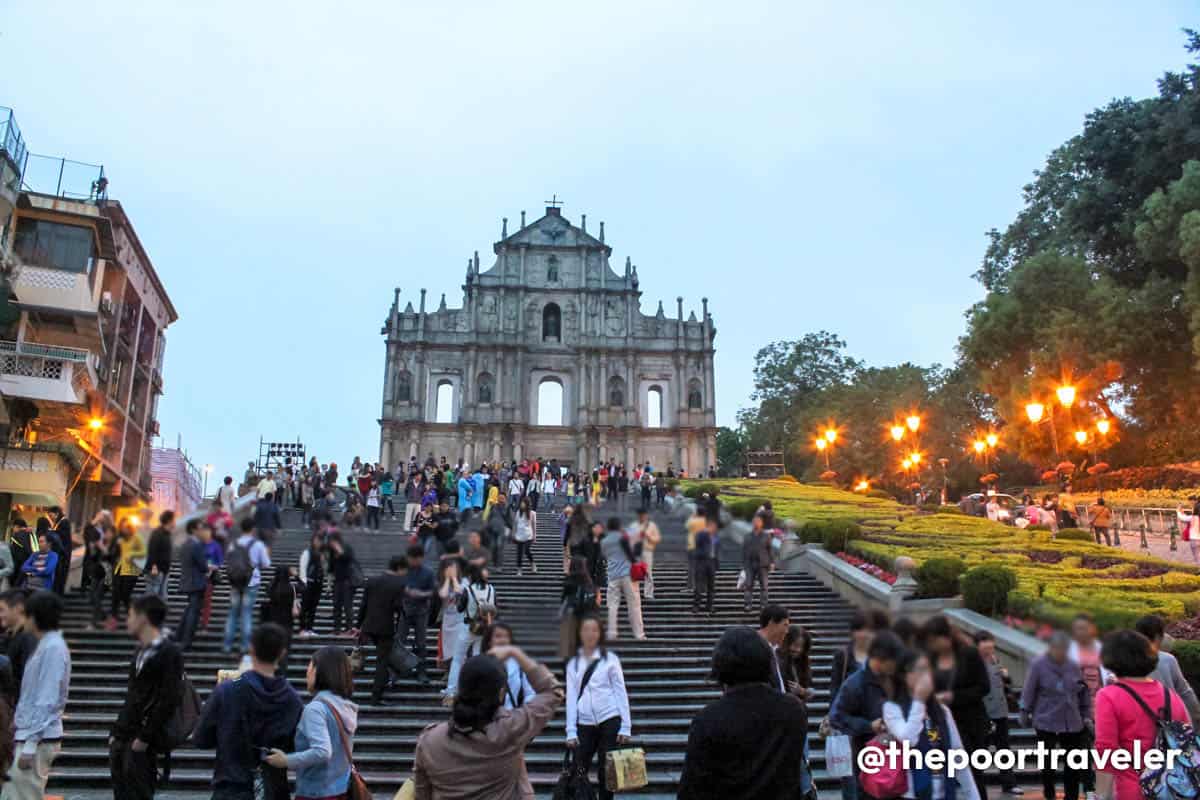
976, 505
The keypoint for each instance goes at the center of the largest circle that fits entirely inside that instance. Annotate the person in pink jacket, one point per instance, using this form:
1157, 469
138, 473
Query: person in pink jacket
1122, 710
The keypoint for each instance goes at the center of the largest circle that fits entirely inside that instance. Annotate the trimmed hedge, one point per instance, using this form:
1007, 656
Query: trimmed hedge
1171, 476
745, 508
834, 534
938, 577
986, 588
1074, 535
695, 492
1187, 653
880, 494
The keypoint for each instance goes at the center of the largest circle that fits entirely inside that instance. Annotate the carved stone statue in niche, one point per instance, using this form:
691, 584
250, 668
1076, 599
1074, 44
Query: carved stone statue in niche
552, 269
488, 314
510, 314
614, 319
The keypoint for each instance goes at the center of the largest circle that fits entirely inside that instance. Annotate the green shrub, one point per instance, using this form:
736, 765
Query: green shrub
938, 577
745, 507
880, 494
938, 508
1021, 604
985, 588
833, 534
1187, 653
1074, 535
699, 489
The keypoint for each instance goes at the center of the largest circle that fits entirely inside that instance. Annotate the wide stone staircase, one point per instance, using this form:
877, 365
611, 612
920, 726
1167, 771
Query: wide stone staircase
666, 674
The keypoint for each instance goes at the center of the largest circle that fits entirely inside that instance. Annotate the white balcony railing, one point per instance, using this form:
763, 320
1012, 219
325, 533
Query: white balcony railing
46, 372
47, 287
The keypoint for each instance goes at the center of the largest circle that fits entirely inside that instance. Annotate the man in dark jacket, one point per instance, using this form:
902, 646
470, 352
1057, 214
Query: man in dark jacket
758, 560
158, 555
154, 692
420, 585
747, 743
62, 545
267, 518
243, 716
377, 613
858, 708
193, 578
22, 544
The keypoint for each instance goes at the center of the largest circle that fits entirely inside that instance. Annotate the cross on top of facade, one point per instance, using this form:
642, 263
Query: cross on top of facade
555, 202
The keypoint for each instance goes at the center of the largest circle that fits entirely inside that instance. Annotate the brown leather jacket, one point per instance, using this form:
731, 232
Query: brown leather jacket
488, 764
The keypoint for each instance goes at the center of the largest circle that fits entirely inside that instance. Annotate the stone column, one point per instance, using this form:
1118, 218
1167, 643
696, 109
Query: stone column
629, 454
412, 445
518, 450
469, 452
495, 450
385, 450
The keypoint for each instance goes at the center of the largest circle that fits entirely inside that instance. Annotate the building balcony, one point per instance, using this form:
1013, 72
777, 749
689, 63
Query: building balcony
59, 290
47, 372
34, 475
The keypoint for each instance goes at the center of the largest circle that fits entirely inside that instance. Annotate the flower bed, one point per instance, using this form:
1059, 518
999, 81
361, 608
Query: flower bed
869, 568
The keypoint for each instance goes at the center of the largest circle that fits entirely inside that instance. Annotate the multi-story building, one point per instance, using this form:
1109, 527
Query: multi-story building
176, 481
82, 327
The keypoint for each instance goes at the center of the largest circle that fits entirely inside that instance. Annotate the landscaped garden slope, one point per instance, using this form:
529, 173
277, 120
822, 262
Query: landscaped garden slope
1055, 578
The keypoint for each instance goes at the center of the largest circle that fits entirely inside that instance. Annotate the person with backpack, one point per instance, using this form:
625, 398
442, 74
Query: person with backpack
478, 605
245, 716
324, 750
154, 692
1136, 708
598, 718
243, 568
499, 524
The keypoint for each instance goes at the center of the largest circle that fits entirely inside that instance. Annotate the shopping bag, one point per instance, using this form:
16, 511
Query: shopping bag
890, 780
838, 759
625, 769
402, 660
408, 791
741, 581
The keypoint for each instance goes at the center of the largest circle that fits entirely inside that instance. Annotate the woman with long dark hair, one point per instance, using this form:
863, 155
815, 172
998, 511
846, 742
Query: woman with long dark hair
961, 681
598, 718
325, 735
914, 715
480, 751
525, 532
579, 597
795, 657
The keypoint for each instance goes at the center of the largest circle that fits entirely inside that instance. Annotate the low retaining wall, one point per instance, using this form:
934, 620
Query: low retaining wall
1015, 649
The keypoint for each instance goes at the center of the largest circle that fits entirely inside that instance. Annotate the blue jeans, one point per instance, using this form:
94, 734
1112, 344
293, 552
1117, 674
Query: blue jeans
157, 584
241, 609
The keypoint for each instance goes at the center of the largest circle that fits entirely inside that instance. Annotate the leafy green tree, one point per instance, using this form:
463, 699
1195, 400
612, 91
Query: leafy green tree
731, 451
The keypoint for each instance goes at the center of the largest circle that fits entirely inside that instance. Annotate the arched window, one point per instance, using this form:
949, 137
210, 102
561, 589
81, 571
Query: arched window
654, 407
403, 386
444, 409
616, 392
550, 402
695, 395
485, 388
551, 323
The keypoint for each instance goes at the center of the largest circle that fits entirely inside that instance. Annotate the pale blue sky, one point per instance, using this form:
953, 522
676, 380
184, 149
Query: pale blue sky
803, 165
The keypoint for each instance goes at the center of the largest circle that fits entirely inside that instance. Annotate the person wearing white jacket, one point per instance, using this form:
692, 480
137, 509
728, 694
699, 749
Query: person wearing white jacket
598, 718
914, 716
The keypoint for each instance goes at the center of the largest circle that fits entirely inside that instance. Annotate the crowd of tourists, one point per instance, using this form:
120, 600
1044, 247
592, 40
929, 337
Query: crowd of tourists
927, 685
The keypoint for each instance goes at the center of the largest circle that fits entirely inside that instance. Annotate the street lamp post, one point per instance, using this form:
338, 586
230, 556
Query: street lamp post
823, 447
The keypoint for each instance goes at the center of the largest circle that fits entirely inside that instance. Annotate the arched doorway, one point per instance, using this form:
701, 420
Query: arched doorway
550, 402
